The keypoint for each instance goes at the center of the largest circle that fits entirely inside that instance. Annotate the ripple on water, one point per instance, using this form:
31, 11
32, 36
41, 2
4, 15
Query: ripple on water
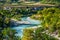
19, 29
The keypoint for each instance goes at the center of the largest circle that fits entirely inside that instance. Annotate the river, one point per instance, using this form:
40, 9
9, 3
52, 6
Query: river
19, 28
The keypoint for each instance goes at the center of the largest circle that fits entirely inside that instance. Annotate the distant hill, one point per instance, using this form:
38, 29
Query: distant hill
20, 2
51, 1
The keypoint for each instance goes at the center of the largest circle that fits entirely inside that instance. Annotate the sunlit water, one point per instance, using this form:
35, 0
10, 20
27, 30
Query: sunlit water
19, 29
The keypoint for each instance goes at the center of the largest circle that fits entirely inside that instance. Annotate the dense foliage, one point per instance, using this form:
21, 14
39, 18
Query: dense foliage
6, 15
30, 34
50, 18
9, 34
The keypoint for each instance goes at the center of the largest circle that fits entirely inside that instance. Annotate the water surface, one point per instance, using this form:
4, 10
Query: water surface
19, 28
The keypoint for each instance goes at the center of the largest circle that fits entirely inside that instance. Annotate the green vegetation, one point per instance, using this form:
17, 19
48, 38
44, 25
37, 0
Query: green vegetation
6, 15
29, 34
9, 34
50, 18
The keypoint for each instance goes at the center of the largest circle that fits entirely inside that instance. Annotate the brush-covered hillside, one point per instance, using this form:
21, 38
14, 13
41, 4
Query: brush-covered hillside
57, 2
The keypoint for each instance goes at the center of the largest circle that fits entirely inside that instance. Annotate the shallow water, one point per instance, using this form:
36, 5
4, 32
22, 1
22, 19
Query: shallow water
19, 29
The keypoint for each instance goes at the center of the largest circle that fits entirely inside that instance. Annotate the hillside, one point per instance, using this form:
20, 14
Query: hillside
57, 2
